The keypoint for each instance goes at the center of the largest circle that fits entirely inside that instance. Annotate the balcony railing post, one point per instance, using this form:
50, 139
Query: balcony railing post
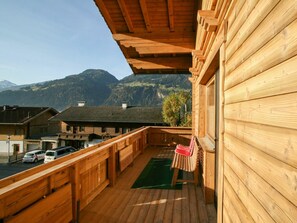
75, 186
112, 165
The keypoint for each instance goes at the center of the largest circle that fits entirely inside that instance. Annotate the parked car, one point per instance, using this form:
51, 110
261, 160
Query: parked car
52, 154
33, 156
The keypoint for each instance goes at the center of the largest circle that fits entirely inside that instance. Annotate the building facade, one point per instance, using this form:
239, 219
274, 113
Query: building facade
22, 128
84, 126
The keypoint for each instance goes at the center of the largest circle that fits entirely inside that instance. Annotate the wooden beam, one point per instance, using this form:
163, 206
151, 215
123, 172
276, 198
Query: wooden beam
198, 54
207, 19
137, 42
160, 36
163, 49
170, 15
161, 63
145, 14
106, 15
126, 15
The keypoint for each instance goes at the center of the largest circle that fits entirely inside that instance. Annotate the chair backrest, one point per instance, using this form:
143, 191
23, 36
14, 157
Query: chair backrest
192, 142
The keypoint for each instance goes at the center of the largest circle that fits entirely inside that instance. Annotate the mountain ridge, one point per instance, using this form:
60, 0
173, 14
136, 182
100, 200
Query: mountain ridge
96, 87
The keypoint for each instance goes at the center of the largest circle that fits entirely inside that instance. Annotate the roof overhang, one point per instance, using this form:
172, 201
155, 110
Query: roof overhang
156, 37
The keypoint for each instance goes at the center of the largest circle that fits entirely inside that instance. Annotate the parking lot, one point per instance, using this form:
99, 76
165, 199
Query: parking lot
7, 170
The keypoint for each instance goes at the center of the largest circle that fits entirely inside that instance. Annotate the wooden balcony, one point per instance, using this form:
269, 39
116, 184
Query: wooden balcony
94, 185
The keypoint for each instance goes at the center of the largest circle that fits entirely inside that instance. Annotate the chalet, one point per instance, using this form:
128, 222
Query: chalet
83, 126
242, 55
22, 127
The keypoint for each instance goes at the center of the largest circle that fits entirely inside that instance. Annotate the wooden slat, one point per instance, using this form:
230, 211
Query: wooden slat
281, 79
262, 9
126, 157
164, 36
279, 208
100, 4
240, 19
276, 142
145, 15
282, 47
22, 198
249, 201
161, 63
275, 111
126, 15
54, 208
162, 49
236, 206
279, 18
280, 175
233, 12
170, 15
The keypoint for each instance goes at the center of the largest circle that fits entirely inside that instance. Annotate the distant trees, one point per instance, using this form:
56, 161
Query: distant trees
175, 107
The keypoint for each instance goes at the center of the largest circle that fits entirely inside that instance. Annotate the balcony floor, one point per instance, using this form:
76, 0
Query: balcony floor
123, 204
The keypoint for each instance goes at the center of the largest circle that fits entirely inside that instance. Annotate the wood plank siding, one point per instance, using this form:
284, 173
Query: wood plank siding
256, 140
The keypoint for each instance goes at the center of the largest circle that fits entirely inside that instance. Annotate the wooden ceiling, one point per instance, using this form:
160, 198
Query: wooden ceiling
155, 36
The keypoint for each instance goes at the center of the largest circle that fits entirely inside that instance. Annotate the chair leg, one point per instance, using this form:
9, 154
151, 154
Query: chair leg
196, 173
174, 177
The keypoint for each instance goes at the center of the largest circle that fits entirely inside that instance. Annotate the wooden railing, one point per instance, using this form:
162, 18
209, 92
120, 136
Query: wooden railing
57, 191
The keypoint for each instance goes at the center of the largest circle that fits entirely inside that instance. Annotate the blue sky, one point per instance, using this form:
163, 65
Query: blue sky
51, 39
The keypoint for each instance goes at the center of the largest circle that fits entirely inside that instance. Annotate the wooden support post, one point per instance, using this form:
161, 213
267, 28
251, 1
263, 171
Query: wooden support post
174, 177
112, 165
75, 189
196, 173
221, 132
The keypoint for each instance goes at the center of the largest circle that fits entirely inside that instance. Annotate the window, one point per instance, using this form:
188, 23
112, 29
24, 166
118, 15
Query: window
74, 129
68, 128
117, 130
210, 109
103, 129
16, 149
81, 128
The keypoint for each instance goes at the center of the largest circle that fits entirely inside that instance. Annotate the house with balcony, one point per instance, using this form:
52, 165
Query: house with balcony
242, 55
21, 128
83, 126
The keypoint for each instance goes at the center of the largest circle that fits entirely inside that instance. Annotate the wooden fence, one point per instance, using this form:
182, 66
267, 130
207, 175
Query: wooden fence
57, 191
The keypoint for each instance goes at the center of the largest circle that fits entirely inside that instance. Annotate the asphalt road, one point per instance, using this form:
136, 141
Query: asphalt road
7, 170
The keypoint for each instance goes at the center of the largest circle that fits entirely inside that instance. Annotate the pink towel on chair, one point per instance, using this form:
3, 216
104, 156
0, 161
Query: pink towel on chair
185, 150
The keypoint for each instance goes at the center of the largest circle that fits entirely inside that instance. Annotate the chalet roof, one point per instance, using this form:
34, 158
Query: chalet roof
145, 115
21, 115
154, 36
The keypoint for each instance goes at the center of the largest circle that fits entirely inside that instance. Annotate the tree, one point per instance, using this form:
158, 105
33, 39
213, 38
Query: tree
172, 110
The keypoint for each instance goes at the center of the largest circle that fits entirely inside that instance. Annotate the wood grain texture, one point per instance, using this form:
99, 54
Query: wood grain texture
279, 49
281, 176
274, 203
279, 18
278, 111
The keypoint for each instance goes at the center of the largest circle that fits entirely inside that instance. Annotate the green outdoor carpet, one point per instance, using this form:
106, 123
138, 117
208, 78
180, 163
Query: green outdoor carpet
157, 175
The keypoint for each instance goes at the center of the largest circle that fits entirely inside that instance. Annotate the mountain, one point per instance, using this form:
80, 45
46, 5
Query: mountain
91, 86
6, 84
147, 90
97, 87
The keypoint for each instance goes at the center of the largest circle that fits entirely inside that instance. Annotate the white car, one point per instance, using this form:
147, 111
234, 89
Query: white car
34, 156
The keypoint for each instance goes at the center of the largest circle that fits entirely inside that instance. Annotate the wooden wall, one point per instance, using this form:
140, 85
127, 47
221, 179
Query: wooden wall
258, 108
260, 156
